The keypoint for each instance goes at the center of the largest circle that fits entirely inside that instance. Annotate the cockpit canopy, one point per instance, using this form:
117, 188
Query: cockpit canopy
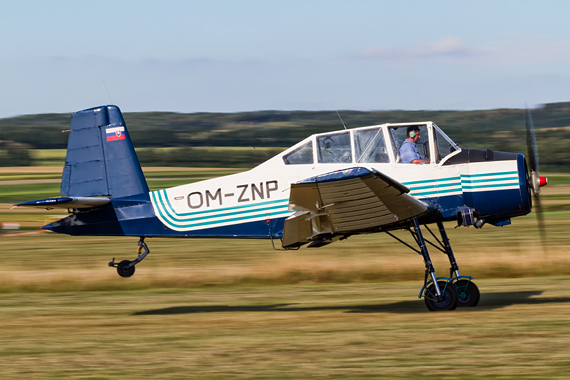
377, 144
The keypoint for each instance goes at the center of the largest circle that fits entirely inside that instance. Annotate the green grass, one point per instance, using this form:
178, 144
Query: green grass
28, 176
29, 192
48, 157
28, 187
193, 173
558, 179
520, 330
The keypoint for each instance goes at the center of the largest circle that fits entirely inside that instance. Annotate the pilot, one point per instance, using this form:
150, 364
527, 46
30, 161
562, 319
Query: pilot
408, 152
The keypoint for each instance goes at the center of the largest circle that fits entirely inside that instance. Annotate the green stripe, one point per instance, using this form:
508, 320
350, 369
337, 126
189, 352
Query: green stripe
490, 186
434, 181
218, 212
435, 186
464, 180
431, 181
490, 174
163, 193
437, 192
465, 187
165, 215
489, 180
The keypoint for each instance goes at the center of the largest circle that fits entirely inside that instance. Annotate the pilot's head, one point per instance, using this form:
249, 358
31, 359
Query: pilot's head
413, 133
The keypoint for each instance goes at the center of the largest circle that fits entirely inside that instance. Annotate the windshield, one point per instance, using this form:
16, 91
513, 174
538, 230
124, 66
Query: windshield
443, 144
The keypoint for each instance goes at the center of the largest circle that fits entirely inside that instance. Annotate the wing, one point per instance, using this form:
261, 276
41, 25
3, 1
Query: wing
346, 202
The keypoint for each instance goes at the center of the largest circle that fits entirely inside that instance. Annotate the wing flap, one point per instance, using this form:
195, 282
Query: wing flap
346, 202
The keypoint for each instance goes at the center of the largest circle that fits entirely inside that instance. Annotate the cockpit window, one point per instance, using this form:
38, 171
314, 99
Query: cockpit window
301, 155
334, 148
444, 145
405, 150
369, 146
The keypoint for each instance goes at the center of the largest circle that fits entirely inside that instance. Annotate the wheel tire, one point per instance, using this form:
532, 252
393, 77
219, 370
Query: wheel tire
449, 301
468, 293
123, 269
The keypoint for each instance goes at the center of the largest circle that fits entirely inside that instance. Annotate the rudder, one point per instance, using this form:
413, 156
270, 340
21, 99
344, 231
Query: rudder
101, 159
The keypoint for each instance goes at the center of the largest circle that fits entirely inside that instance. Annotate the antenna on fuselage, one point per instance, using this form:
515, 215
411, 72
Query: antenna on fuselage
106, 89
254, 148
338, 116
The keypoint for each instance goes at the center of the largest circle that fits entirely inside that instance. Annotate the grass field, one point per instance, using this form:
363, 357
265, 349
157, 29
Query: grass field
36, 182
56, 157
520, 330
236, 309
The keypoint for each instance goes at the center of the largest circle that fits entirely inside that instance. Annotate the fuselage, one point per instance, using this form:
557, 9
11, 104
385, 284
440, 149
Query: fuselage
461, 184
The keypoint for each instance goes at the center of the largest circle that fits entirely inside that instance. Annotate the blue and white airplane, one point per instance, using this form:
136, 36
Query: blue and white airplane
325, 188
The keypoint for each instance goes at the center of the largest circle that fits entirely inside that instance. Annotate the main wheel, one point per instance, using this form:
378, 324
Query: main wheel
449, 297
124, 270
468, 293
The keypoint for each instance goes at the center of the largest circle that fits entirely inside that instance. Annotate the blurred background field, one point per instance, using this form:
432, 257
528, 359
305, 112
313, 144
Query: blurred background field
236, 309
200, 156
61, 262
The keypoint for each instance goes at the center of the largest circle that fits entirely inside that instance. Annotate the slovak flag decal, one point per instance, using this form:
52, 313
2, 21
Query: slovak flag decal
117, 133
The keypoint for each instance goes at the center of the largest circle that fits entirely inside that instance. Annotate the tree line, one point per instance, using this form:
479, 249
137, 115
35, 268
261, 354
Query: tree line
500, 129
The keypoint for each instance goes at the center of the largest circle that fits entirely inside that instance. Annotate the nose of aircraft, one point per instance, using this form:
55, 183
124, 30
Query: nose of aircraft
543, 181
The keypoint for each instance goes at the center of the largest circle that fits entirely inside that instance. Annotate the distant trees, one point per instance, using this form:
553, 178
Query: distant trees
14, 154
500, 129
36, 137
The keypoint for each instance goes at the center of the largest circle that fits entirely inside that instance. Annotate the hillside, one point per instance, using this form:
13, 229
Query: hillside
500, 129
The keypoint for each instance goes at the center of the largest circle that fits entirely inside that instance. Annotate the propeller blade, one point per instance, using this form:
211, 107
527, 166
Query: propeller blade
540, 221
531, 142
535, 180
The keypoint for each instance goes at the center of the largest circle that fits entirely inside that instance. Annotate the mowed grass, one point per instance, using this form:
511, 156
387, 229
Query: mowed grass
47, 262
236, 309
520, 330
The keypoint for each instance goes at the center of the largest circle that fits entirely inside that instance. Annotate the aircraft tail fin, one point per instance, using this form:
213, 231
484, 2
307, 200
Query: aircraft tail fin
101, 159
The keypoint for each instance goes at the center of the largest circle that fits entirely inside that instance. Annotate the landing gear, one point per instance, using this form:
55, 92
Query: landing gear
126, 268
447, 301
441, 293
466, 289
468, 293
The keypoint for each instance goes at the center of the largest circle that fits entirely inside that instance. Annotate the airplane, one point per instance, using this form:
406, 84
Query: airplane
326, 188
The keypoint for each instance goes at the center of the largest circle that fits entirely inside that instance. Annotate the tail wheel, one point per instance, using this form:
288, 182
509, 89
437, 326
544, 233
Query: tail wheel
449, 297
468, 293
124, 270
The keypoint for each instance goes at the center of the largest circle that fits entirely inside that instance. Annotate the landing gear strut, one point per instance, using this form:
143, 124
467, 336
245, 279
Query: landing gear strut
467, 290
441, 293
126, 268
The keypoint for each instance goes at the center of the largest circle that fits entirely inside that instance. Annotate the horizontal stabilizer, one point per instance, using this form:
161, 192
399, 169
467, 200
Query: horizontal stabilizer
66, 202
